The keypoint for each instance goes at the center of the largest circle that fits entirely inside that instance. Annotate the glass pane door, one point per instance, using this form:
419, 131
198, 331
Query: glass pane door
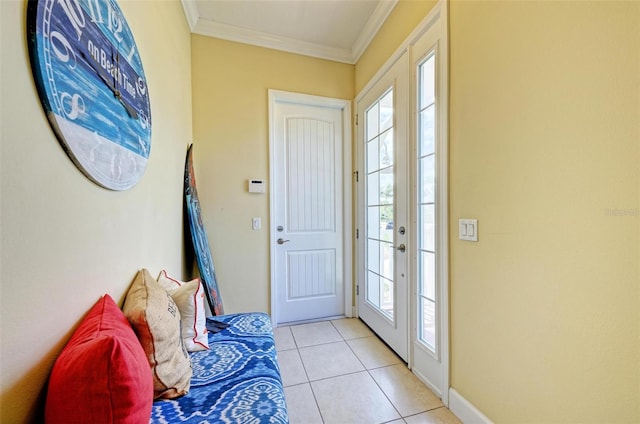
380, 209
427, 315
429, 208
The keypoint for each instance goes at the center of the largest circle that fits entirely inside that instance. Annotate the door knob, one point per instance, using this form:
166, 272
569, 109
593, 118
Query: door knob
281, 241
402, 248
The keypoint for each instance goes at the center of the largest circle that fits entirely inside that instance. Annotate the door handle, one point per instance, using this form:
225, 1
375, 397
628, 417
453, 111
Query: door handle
401, 248
281, 241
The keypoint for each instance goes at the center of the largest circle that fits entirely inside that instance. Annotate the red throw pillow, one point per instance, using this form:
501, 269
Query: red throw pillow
102, 375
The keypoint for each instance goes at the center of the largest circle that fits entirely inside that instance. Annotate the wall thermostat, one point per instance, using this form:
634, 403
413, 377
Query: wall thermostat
257, 186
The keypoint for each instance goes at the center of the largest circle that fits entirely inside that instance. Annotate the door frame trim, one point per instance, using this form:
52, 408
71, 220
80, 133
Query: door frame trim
279, 96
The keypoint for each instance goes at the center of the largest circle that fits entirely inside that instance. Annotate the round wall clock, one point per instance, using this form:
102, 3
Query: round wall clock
92, 87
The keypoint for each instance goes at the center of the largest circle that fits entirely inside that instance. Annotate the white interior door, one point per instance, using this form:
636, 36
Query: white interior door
307, 221
382, 201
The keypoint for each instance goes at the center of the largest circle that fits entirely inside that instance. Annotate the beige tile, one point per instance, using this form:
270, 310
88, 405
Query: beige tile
291, 368
301, 405
353, 399
407, 393
352, 328
436, 416
284, 338
373, 353
315, 333
329, 360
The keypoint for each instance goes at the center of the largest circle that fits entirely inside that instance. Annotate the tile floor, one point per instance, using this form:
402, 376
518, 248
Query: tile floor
340, 372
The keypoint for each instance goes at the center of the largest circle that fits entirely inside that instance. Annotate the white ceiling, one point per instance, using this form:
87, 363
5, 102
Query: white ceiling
337, 30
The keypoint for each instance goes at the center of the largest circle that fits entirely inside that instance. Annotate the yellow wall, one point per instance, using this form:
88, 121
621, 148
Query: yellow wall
544, 152
544, 139
230, 121
65, 241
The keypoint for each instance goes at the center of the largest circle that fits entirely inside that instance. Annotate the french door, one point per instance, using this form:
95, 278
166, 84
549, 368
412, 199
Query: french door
402, 203
383, 146
429, 261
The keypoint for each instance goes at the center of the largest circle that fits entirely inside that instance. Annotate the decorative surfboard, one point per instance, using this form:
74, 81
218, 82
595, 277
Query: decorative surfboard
199, 238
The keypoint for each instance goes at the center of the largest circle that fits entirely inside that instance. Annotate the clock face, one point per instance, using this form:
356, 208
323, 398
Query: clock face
92, 87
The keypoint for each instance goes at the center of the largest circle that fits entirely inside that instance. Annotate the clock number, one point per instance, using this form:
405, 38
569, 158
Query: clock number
95, 11
141, 87
62, 48
131, 53
144, 121
114, 23
75, 14
77, 105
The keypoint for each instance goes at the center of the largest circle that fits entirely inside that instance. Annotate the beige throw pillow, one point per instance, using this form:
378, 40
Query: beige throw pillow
189, 296
155, 318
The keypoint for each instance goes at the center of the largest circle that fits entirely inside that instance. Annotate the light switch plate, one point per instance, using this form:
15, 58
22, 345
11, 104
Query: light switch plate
468, 229
256, 223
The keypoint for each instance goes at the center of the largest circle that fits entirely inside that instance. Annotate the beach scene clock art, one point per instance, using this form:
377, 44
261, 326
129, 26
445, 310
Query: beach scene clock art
92, 86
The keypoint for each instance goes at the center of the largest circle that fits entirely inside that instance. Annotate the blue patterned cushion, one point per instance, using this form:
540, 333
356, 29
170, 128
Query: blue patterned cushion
236, 381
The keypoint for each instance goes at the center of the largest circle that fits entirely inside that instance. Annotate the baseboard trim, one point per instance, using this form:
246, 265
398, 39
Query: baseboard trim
464, 410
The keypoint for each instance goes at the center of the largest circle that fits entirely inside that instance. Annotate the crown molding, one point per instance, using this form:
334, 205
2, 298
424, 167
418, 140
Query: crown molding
271, 41
191, 12
371, 28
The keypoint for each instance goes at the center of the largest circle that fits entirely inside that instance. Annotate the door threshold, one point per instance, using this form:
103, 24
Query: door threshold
309, 321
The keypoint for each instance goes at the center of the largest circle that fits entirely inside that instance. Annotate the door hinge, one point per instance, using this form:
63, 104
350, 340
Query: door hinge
357, 290
356, 119
357, 233
357, 175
